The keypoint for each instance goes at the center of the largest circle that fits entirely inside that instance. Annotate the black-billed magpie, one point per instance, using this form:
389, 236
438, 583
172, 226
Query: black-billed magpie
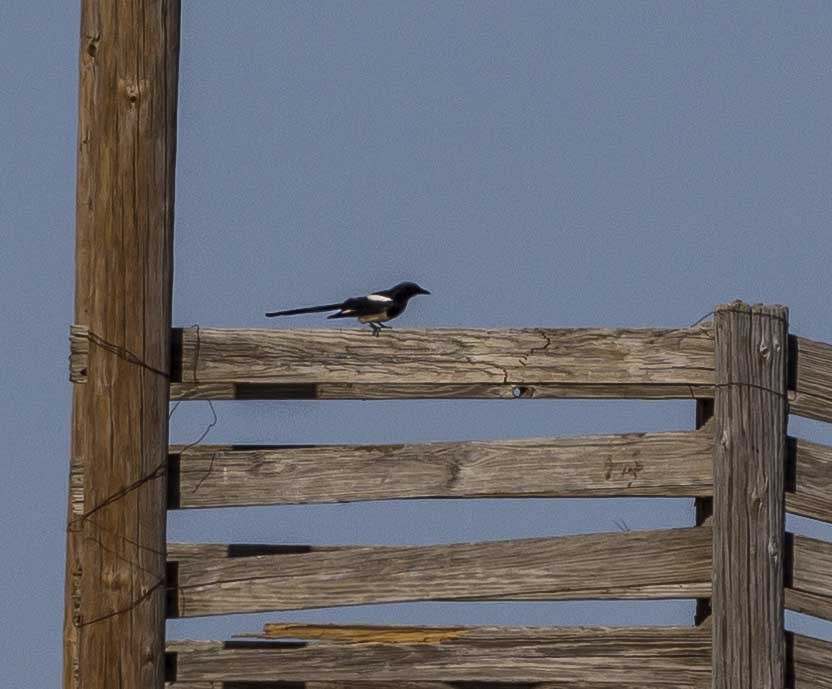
374, 309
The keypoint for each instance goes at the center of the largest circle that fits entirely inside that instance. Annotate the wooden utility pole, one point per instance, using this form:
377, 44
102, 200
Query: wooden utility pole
750, 409
115, 592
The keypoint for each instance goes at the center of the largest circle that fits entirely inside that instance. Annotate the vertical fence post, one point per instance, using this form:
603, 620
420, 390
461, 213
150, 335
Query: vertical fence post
750, 414
115, 592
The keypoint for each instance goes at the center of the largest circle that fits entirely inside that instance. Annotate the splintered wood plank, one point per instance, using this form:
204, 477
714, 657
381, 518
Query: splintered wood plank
518, 357
812, 366
599, 658
661, 464
672, 563
749, 466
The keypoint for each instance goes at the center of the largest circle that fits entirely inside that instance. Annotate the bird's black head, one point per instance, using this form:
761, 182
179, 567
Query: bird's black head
407, 290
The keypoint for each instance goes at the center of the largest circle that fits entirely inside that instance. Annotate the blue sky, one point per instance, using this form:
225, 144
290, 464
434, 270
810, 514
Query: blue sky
532, 164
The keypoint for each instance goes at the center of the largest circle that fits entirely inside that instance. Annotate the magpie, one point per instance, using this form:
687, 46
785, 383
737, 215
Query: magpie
374, 309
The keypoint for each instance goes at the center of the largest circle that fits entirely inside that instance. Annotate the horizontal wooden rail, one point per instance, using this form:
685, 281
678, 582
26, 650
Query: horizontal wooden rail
216, 476
808, 570
661, 464
446, 362
809, 660
812, 374
675, 464
655, 657
648, 363
624, 650
672, 563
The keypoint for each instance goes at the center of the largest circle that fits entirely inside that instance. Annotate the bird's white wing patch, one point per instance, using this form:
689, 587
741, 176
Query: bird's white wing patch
379, 298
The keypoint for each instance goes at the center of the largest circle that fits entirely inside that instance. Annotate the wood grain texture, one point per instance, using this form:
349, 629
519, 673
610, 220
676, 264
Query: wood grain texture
810, 479
809, 576
749, 465
673, 563
809, 603
812, 365
809, 493
661, 464
560, 657
444, 356
470, 391
114, 612
810, 396
809, 465
809, 662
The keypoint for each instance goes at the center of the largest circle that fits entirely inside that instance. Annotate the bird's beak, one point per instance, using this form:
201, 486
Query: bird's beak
423, 291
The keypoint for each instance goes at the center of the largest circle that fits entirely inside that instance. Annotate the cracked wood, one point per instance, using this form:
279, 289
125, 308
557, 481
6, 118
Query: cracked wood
446, 356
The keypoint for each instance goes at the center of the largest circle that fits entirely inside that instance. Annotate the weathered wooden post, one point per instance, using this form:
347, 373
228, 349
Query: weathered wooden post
114, 618
750, 410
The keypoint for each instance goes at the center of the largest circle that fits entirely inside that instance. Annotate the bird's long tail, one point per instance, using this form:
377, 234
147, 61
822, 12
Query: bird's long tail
307, 309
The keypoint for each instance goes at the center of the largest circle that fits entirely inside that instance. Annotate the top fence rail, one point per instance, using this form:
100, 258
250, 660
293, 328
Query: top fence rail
640, 363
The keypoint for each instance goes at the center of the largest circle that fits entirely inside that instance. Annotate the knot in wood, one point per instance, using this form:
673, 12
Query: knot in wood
132, 93
773, 550
133, 90
92, 45
765, 351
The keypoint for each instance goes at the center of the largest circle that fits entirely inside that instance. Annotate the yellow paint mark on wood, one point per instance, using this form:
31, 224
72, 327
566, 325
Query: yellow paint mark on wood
365, 634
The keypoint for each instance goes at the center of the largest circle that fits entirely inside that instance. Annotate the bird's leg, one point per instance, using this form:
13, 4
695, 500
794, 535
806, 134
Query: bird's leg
376, 328
383, 325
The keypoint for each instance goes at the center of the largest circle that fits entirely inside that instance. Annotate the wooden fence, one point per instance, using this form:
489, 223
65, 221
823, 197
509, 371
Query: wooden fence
743, 369
123, 580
